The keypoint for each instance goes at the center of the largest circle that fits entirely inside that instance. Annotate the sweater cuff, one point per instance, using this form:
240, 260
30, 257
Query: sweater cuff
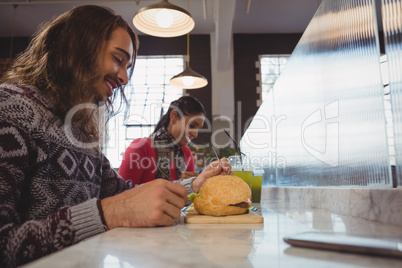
188, 183
86, 219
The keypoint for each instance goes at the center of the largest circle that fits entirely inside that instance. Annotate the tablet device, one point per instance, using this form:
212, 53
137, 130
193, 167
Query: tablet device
347, 243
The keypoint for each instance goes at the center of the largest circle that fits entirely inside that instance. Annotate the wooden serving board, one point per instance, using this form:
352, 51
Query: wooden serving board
194, 217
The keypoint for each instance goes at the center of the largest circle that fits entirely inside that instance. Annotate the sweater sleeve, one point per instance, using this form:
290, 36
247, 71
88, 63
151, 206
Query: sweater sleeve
23, 240
188, 183
112, 183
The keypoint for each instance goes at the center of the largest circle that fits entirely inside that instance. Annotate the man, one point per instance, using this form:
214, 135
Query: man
56, 186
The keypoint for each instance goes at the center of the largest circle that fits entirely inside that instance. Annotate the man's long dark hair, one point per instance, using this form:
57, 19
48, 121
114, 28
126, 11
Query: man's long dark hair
63, 61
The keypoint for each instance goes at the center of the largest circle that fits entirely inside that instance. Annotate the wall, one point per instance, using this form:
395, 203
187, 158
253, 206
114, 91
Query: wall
19, 44
247, 48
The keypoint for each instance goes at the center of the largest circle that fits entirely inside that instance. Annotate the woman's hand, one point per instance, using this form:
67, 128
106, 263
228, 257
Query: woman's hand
155, 203
218, 167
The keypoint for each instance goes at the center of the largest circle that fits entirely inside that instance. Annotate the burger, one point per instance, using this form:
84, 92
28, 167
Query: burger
223, 195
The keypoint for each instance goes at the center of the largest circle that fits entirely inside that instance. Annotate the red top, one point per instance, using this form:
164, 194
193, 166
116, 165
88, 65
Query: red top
139, 162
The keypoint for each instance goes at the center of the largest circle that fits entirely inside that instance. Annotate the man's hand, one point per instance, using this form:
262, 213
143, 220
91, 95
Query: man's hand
155, 203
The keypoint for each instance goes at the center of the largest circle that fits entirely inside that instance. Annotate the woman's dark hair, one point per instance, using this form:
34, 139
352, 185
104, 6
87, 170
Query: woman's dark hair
185, 105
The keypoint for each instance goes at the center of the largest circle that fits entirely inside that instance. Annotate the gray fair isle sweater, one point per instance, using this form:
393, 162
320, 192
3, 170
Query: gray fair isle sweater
49, 188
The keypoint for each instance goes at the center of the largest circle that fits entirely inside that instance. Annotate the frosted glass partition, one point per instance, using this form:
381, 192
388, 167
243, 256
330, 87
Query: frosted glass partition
326, 120
392, 21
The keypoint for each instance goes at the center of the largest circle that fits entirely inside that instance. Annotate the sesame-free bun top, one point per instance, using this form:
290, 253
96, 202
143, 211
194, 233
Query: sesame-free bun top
223, 195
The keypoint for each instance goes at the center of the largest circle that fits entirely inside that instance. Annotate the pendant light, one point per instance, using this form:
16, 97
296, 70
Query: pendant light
163, 19
188, 79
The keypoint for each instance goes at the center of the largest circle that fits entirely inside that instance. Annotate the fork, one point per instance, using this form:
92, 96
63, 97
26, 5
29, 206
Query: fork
219, 160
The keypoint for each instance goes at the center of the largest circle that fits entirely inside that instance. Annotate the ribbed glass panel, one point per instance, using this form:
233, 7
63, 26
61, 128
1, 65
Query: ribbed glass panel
259, 141
328, 104
392, 23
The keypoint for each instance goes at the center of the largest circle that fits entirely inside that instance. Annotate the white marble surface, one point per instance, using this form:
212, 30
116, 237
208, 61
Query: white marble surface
226, 245
373, 204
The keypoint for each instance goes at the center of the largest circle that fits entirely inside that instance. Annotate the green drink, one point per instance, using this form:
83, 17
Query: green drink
256, 182
244, 175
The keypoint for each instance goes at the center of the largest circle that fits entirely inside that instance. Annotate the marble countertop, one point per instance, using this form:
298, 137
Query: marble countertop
226, 245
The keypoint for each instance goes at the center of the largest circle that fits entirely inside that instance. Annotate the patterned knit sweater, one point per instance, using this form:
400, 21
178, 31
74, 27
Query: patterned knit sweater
49, 187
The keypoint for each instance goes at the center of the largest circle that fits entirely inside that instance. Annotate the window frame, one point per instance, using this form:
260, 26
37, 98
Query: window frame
118, 127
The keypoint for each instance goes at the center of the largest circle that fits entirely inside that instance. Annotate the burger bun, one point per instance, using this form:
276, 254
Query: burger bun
223, 195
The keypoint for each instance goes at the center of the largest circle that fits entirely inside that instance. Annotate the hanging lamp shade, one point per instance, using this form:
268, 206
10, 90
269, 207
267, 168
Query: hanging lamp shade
188, 79
163, 19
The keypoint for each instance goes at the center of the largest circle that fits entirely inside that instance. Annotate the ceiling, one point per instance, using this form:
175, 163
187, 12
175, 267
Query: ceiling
223, 16
220, 18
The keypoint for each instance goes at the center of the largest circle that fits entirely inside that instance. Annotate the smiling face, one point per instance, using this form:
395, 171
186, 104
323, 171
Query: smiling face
186, 128
117, 54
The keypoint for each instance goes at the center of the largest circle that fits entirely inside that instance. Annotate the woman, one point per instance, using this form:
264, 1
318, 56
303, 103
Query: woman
165, 153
